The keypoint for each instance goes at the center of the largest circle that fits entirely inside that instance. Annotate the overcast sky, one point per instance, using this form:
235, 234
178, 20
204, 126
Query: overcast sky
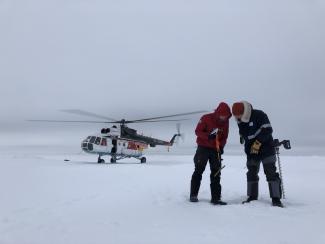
143, 58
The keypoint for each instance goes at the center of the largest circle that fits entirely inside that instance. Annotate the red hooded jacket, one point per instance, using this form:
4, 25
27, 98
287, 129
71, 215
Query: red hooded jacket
209, 122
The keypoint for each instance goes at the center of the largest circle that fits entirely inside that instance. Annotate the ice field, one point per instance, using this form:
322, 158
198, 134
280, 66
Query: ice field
45, 199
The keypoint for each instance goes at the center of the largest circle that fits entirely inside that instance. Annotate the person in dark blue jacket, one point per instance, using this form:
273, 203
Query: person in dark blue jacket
256, 133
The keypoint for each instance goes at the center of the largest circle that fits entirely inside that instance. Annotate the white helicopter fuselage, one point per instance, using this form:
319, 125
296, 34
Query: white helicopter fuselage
121, 144
108, 145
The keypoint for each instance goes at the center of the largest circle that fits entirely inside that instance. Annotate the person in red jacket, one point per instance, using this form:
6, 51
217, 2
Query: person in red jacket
212, 133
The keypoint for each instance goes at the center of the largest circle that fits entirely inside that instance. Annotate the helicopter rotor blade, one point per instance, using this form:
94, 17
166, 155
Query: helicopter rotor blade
99, 122
114, 121
72, 121
86, 113
149, 121
168, 116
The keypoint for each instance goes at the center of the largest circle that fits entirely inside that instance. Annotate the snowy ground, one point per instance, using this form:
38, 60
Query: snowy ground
47, 200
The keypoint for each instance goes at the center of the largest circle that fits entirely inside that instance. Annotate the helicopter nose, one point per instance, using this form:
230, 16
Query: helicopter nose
87, 146
90, 146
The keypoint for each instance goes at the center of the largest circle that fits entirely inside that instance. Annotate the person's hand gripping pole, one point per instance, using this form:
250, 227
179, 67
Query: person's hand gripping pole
215, 134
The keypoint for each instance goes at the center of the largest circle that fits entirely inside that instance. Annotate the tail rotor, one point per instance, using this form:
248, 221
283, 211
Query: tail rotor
179, 134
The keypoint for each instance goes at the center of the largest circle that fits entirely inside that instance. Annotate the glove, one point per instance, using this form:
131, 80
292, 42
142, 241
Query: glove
241, 140
255, 148
212, 136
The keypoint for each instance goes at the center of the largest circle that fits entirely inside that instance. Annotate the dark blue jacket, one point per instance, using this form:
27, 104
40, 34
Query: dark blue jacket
258, 128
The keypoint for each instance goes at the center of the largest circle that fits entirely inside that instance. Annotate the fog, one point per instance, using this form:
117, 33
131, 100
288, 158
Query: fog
136, 59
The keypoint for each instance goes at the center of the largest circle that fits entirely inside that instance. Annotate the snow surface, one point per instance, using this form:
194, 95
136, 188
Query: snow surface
47, 200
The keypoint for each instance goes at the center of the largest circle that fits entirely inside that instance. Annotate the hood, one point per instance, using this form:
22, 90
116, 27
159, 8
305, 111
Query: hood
247, 112
242, 109
223, 110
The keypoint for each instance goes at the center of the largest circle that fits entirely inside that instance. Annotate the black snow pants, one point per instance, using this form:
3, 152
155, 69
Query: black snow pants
201, 158
253, 166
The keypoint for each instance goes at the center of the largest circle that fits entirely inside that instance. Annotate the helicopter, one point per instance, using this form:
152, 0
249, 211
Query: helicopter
120, 141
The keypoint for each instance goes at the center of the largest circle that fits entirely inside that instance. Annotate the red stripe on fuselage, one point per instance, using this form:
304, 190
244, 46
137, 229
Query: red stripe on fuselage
136, 145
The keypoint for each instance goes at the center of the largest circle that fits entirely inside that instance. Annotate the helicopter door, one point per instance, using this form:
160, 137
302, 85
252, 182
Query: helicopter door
103, 142
114, 148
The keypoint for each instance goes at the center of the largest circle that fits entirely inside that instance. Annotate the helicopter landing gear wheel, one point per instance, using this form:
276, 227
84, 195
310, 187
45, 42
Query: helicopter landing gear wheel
100, 160
143, 160
113, 160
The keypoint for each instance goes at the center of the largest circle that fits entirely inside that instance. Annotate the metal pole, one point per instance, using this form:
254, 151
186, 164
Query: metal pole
218, 155
280, 171
221, 168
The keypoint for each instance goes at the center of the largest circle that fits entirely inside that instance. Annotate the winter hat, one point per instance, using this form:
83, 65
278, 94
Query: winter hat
243, 110
238, 109
223, 110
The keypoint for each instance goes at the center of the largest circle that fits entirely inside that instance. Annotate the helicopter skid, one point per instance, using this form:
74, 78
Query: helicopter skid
115, 158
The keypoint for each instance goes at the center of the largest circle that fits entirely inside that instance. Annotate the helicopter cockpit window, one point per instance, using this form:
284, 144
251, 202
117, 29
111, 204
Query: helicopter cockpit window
97, 140
92, 139
104, 142
87, 139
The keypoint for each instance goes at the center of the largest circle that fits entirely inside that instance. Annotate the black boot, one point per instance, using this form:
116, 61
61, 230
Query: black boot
215, 188
195, 183
275, 189
195, 187
276, 202
193, 199
249, 199
218, 202
252, 191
